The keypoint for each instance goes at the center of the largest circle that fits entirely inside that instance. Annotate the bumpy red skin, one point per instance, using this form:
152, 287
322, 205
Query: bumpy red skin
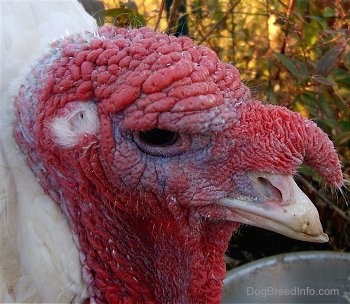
148, 227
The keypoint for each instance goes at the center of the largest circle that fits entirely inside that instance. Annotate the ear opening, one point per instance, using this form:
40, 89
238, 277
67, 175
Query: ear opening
80, 118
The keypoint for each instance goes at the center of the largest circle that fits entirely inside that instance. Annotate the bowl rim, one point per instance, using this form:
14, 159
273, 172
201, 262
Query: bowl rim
289, 257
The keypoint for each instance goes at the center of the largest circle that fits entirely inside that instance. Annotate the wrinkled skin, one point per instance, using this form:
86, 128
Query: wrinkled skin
144, 211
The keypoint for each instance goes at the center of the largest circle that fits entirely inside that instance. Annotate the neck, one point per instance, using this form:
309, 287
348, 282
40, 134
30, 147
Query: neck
145, 250
172, 259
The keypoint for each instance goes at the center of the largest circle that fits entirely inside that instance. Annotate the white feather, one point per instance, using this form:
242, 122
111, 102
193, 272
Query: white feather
69, 129
39, 261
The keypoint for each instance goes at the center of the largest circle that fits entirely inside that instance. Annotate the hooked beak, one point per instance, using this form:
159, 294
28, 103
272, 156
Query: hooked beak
283, 208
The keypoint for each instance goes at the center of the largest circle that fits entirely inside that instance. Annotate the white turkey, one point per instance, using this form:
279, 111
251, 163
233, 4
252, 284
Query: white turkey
129, 157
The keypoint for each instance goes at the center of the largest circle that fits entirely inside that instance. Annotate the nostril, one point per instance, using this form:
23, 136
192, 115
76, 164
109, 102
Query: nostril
268, 190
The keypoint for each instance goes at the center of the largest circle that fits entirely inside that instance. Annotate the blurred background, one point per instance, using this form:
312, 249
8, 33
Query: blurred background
293, 53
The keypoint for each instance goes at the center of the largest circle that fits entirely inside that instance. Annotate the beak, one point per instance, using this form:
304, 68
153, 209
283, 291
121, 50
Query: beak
282, 207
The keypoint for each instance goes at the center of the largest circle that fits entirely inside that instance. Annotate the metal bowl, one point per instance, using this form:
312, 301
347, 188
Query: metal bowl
303, 277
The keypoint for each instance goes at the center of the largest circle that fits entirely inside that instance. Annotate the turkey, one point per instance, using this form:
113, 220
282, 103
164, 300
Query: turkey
129, 158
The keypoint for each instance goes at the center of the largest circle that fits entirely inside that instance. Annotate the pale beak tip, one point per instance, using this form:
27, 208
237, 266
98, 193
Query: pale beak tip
293, 215
323, 238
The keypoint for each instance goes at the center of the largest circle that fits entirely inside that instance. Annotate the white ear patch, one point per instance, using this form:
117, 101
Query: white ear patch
78, 119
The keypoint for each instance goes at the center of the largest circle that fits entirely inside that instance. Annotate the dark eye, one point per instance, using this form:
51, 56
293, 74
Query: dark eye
161, 142
158, 137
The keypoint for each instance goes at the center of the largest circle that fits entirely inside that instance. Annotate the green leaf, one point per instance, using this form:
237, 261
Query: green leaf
308, 100
343, 138
344, 125
307, 171
329, 60
124, 17
329, 12
303, 68
319, 108
323, 80
346, 60
341, 77
328, 117
290, 66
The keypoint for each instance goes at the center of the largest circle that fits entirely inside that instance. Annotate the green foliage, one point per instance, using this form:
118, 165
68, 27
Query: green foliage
295, 52
124, 17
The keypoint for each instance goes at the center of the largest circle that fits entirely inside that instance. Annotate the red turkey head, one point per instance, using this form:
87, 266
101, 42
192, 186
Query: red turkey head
155, 151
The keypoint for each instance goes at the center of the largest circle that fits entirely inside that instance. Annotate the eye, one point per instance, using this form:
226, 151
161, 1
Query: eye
158, 137
161, 142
